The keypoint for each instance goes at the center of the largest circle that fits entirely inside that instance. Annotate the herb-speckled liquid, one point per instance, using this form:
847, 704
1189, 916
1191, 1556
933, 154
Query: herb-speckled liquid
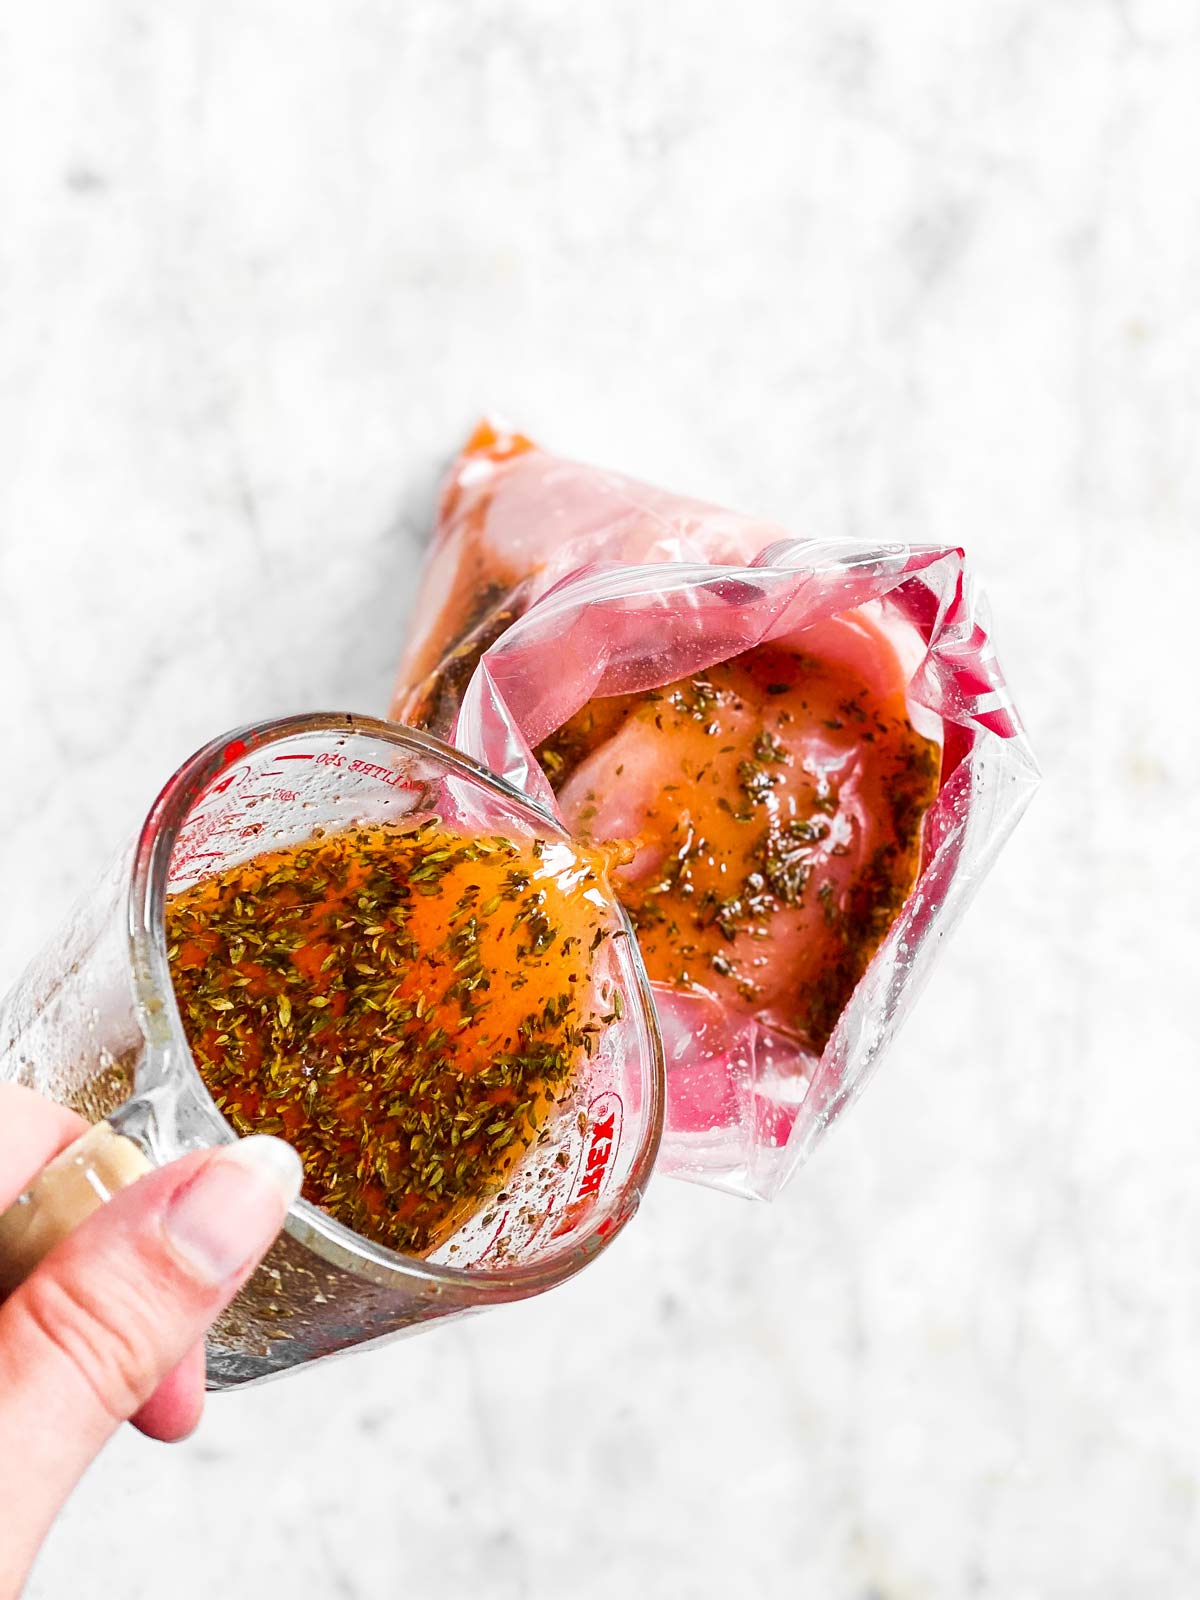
404, 1006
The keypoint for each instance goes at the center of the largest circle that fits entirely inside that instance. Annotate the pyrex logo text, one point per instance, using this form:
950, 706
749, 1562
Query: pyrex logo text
604, 1134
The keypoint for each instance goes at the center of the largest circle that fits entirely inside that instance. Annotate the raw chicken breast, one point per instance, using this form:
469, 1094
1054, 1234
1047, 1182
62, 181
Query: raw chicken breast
771, 808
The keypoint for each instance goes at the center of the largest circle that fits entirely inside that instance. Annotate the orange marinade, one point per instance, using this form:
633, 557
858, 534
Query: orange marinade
405, 1006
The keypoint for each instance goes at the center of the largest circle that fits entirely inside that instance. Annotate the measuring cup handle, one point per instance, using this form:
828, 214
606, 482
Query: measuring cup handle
77, 1182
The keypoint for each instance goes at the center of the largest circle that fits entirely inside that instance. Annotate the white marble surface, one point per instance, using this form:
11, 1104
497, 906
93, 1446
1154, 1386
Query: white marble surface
924, 269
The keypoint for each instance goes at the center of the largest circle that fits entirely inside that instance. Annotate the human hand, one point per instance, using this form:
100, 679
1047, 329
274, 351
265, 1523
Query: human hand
110, 1326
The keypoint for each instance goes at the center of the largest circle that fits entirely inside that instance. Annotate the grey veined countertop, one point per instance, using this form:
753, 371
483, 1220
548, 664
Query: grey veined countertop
925, 271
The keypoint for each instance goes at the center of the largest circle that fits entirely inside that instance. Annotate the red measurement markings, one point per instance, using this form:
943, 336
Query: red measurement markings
188, 848
491, 1245
367, 769
286, 795
223, 785
394, 780
541, 1223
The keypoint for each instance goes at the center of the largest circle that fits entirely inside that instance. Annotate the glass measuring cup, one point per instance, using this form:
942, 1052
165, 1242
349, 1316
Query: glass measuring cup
94, 1024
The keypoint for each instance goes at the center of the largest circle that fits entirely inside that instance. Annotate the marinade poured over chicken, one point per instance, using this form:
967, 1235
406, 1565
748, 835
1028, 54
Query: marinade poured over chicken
772, 806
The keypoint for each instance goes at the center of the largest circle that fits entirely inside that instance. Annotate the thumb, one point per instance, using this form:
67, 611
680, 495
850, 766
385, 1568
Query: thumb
114, 1308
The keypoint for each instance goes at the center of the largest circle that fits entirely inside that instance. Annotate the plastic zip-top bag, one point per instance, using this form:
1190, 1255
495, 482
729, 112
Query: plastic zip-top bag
801, 751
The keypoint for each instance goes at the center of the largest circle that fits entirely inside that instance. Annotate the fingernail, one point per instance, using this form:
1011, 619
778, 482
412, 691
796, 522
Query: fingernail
234, 1207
